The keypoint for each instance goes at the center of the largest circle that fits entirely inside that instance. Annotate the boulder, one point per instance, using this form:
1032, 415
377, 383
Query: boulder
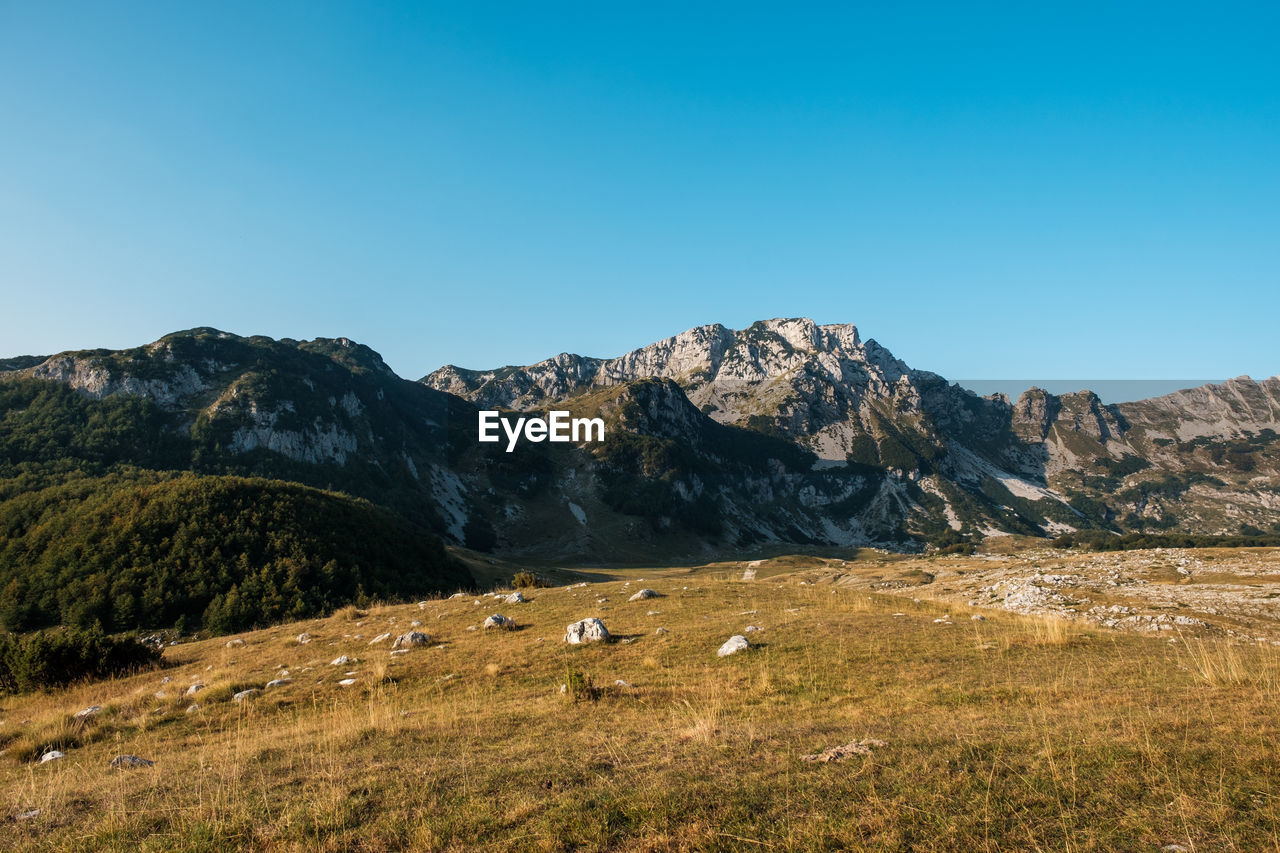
88, 712
235, 644
497, 620
131, 761
304, 638
52, 755
346, 682
279, 682
411, 639
381, 638
585, 631
194, 689
644, 594
736, 643
341, 660
516, 597
245, 694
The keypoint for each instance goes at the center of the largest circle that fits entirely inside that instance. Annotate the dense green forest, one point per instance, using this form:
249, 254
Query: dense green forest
144, 549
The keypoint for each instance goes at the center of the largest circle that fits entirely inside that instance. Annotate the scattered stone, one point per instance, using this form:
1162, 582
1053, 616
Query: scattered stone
655, 613
235, 644
160, 694
194, 689
341, 660
193, 707
166, 680
497, 620
52, 755
585, 631
279, 682
660, 631
304, 638
471, 628
643, 594
736, 643
418, 622
245, 694
88, 712
749, 629
978, 617
411, 639
131, 761
839, 753
399, 652
423, 604
381, 638
620, 683
27, 815
346, 682
897, 615
516, 597
1175, 848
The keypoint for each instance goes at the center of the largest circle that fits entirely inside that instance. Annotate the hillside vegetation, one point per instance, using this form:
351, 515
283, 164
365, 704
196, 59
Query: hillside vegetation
146, 550
1013, 733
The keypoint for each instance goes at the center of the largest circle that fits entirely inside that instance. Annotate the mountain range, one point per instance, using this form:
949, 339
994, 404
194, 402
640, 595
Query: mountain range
717, 440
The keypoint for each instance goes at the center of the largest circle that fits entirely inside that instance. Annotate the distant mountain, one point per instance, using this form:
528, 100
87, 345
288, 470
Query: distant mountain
717, 440
1204, 459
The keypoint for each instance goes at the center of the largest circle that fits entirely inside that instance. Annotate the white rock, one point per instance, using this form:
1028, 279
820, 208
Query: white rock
736, 643
381, 638
620, 683
643, 594
497, 620
303, 639
341, 660
52, 755
27, 815
193, 707
194, 689
279, 682
245, 694
978, 617
516, 597
660, 631
235, 644
131, 761
585, 631
749, 629
88, 712
346, 682
411, 639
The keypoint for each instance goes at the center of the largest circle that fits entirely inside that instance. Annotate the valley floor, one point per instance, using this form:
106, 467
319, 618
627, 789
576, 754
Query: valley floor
1012, 731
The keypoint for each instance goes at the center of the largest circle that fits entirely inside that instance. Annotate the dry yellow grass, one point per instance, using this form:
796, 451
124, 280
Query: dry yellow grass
1011, 733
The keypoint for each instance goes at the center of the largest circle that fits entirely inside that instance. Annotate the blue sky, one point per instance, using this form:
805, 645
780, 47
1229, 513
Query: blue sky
990, 190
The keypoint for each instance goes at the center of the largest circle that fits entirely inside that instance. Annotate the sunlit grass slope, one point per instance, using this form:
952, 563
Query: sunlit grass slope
1008, 733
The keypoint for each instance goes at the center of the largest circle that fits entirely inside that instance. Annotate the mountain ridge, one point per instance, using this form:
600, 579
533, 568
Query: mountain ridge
786, 431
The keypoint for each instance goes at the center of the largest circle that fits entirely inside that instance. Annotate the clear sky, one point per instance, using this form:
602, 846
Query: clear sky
990, 190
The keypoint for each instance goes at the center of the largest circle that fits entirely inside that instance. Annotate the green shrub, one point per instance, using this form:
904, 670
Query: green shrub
60, 657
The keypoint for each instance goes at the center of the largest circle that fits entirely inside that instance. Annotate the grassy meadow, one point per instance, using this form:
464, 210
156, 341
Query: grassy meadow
1011, 733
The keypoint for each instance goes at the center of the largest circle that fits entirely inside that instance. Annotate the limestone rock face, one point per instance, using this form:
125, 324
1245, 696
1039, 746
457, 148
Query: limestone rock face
586, 631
